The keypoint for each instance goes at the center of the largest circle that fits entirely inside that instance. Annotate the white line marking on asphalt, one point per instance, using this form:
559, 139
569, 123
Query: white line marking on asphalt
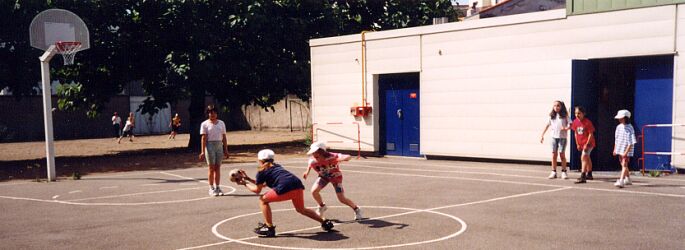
512, 182
134, 194
71, 202
75, 191
15, 183
55, 197
243, 240
109, 187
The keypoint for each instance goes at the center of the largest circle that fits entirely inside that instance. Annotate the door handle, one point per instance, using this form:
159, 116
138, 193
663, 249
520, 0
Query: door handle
399, 114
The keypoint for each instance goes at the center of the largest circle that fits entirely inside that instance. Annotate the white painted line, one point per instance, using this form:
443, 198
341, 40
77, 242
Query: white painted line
450, 171
75, 191
55, 197
134, 194
462, 229
109, 187
512, 182
431, 210
15, 183
71, 202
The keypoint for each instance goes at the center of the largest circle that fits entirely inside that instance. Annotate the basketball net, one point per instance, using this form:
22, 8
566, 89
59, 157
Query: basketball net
68, 51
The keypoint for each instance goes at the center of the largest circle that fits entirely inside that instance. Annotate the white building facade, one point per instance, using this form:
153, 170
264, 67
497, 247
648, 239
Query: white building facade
485, 87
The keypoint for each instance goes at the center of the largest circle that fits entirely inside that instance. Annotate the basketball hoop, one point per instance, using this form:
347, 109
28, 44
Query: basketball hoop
68, 50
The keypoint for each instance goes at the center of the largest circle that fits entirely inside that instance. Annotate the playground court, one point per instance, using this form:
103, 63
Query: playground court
410, 204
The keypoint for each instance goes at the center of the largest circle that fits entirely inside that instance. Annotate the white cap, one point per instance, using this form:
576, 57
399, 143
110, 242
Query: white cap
266, 154
622, 113
316, 146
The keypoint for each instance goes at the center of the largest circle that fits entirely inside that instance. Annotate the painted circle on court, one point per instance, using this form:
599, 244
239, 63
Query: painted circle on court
413, 210
233, 190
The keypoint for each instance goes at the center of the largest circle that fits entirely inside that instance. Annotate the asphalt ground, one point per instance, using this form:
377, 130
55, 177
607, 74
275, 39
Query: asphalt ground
410, 204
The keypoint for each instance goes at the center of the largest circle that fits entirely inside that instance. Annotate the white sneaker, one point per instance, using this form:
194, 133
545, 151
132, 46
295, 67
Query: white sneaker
627, 181
211, 191
553, 175
320, 210
564, 176
619, 183
219, 192
358, 214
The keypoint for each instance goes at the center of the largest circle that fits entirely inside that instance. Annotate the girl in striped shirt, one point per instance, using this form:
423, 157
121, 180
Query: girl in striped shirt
624, 146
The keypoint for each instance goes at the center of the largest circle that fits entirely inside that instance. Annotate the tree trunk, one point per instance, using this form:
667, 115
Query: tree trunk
197, 116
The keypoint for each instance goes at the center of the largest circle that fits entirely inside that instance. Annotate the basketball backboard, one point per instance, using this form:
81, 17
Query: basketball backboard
58, 25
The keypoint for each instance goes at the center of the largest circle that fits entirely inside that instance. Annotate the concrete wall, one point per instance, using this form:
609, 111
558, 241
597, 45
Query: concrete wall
22, 120
486, 85
290, 113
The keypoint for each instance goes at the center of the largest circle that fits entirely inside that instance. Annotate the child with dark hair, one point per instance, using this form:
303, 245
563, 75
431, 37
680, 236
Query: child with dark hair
214, 148
624, 141
585, 143
559, 123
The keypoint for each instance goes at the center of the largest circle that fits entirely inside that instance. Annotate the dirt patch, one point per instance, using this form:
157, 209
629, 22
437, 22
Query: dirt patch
27, 160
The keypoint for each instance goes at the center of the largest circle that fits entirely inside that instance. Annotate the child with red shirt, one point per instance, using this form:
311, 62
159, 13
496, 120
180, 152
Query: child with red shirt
326, 165
585, 142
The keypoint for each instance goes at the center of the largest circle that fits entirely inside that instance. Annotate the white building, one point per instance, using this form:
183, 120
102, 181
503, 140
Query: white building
486, 86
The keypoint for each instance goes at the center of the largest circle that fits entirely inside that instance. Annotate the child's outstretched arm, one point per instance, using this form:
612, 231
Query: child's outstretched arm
344, 157
304, 175
542, 137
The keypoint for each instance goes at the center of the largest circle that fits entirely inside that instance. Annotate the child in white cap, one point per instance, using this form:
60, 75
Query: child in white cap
326, 164
284, 186
624, 146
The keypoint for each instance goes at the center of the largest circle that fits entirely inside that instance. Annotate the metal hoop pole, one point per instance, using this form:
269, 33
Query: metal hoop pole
47, 111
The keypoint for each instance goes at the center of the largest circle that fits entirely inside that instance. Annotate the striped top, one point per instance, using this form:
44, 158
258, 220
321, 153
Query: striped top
625, 136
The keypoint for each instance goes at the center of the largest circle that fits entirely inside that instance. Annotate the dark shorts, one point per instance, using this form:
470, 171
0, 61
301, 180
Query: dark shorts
337, 184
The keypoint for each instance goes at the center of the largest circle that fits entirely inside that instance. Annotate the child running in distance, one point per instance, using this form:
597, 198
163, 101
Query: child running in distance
585, 142
284, 186
559, 124
624, 146
128, 130
326, 164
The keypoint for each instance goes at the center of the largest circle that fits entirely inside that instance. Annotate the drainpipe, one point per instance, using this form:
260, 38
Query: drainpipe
364, 68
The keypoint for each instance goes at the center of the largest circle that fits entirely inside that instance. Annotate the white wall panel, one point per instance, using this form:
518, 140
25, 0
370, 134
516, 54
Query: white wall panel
679, 91
487, 85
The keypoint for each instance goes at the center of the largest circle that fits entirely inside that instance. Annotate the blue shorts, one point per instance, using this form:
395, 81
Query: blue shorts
558, 145
214, 152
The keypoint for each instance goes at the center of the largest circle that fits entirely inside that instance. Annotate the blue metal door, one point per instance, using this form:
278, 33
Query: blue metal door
402, 122
410, 122
393, 122
654, 105
400, 118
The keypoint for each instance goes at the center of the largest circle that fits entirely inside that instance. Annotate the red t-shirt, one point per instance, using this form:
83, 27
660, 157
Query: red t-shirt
583, 130
328, 169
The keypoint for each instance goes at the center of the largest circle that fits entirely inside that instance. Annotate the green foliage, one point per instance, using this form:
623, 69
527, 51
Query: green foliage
239, 52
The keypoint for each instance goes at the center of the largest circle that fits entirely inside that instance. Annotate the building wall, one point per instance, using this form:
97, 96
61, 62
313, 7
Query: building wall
679, 91
486, 85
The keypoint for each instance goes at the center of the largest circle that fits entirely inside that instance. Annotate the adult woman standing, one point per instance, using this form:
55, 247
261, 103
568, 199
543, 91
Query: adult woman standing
214, 146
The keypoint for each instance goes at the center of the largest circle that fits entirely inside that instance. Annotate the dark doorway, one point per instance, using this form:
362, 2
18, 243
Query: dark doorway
642, 85
400, 114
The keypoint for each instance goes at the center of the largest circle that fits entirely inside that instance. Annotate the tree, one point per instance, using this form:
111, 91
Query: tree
236, 51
